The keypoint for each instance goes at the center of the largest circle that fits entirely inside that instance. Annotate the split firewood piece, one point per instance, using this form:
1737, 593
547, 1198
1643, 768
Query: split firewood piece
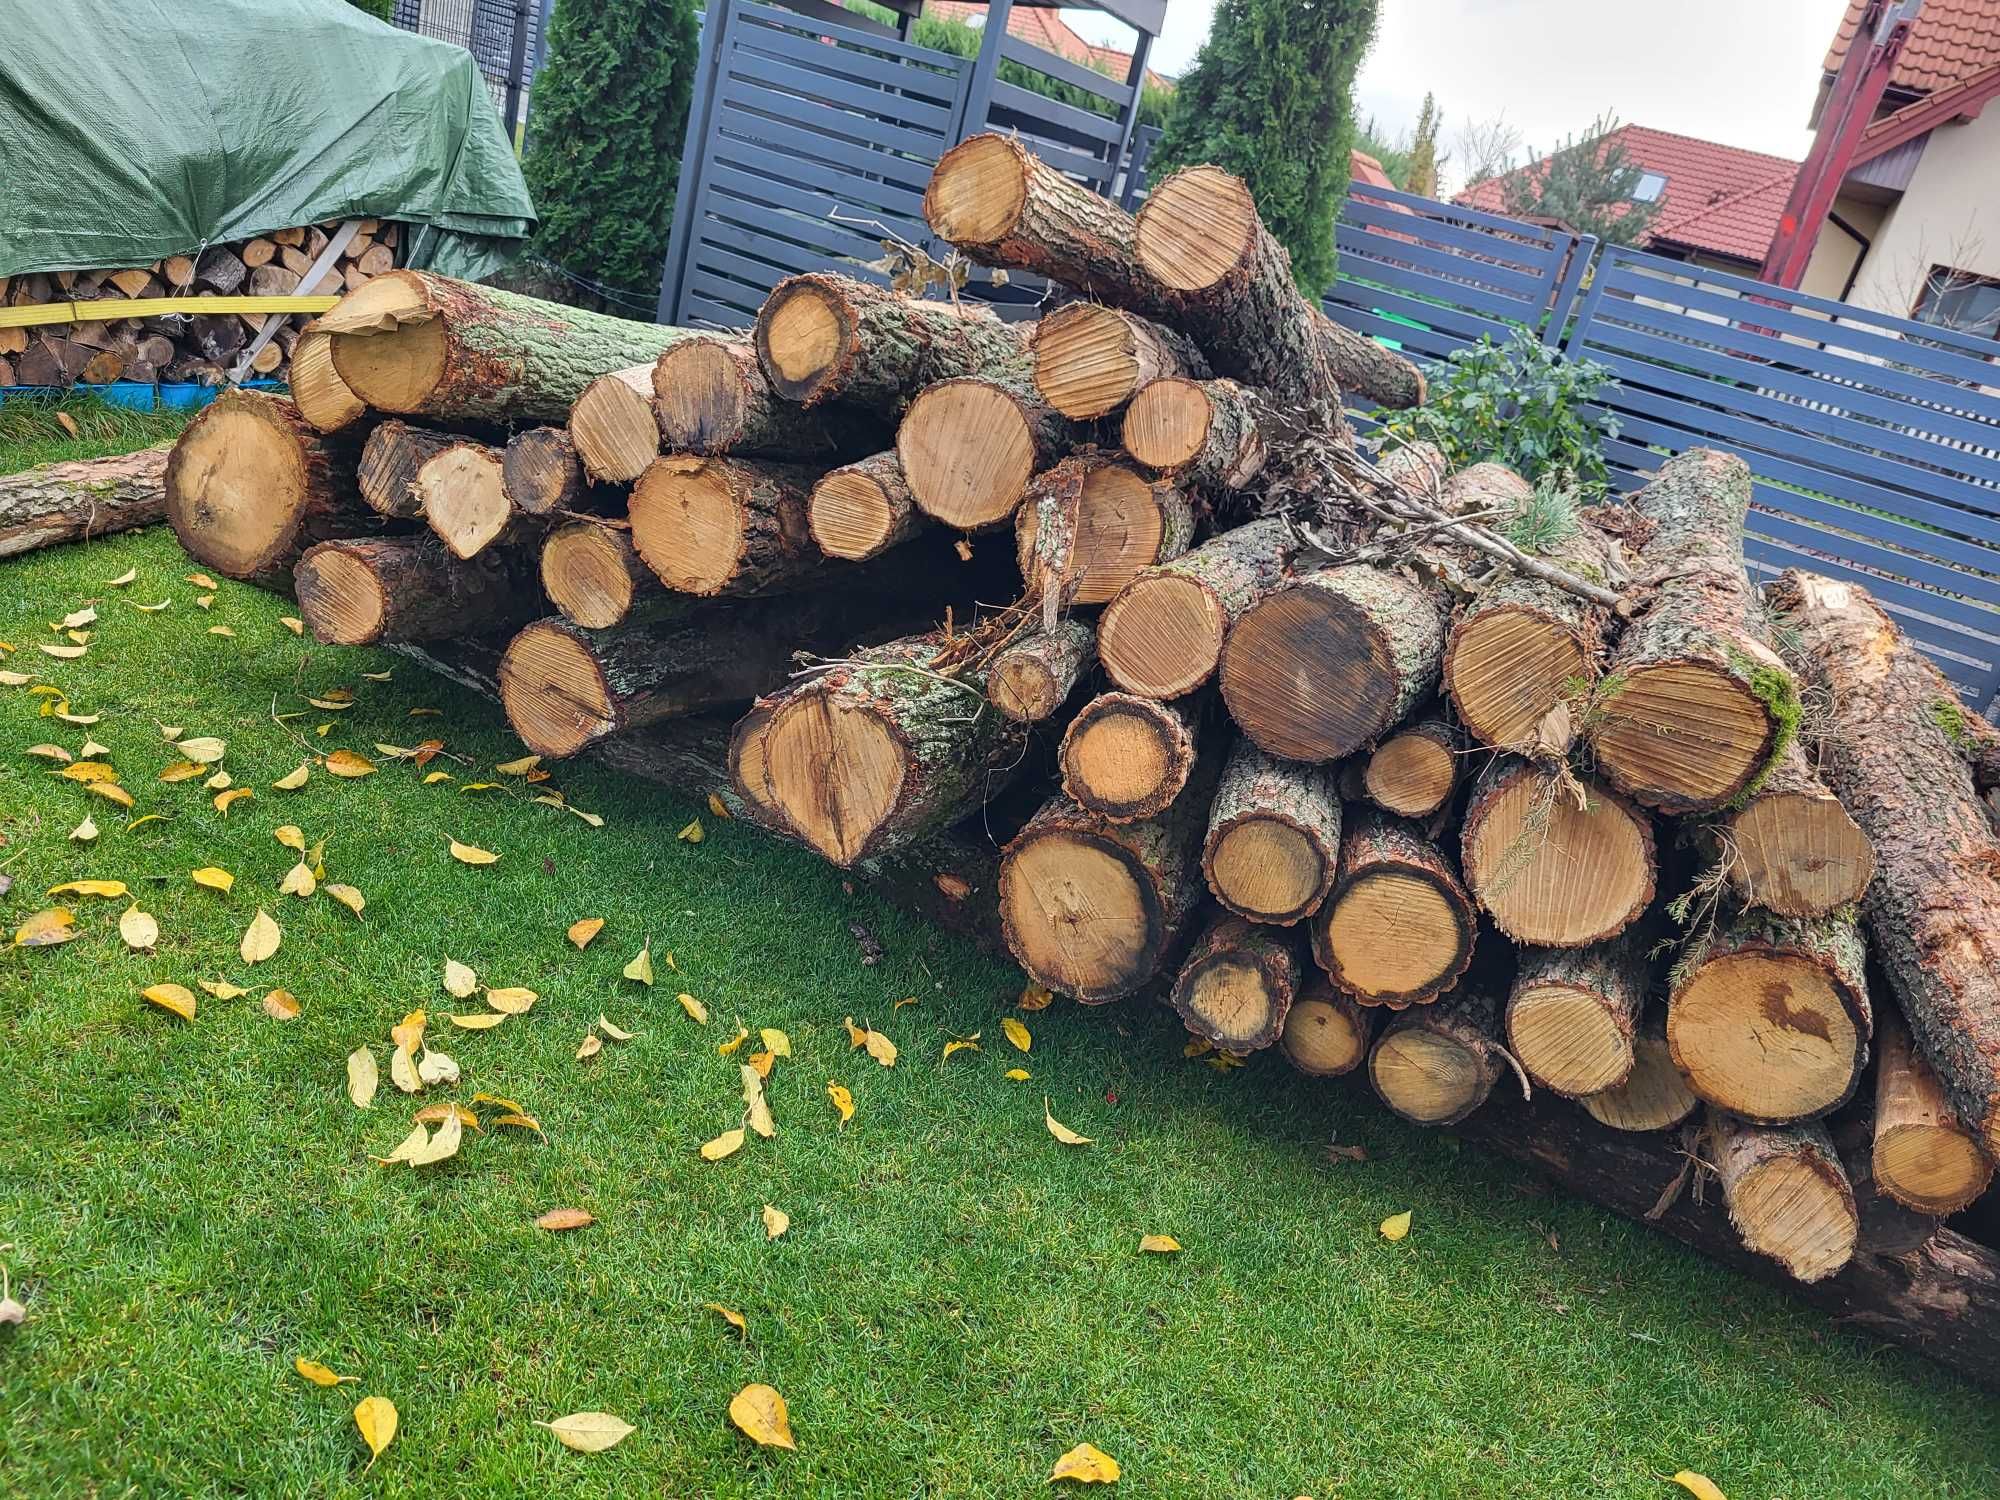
464, 494
733, 526
565, 688
1769, 1016
594, 575
1415, 770
878, 751
1326, 1032
1273, 843
1033, 676
1208, 434
425, 345
970, 445
862, 509
1162, 635
1125, 757
72, 502
1090, 359
1901, 750
1090, 909
1694, 704
1555, 863
822, 337
1238, 983
541, 473
1653, 1096
1323, 665
1573, 1015
251, 484
1438, 1063
221, 270
1786, 1192
1397, 928
1087, 526
614, 426
1923, 1156
363, 591
390, 459
712, 397
323, 397
1793, 849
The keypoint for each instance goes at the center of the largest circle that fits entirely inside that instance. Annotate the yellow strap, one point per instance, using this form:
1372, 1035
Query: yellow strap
109, 309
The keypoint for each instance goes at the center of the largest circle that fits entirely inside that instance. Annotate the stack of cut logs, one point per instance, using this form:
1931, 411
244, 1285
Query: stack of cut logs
1308, 748
191, 346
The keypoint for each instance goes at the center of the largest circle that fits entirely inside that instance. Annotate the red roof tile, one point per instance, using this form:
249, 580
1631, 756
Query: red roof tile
1721, 200
1949, 42
1045, 28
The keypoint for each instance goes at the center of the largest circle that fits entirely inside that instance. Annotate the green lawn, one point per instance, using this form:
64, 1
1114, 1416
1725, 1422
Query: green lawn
959, 1299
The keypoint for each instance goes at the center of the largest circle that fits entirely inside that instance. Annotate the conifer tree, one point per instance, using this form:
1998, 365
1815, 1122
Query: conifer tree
1424, 159
1586, 186
1270, 99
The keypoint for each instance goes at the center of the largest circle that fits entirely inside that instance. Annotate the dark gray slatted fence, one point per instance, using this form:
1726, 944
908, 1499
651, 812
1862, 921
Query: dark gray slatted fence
1875, 440
503, 36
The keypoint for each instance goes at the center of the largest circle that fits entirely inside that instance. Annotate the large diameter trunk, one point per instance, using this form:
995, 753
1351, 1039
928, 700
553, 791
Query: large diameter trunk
1787, 1194
712, 397
73, 502
711, 526
1326, 664
1090, 359
424, 345
1923, 1156
1573, 1015
1437, 1064
1238, 983
1090, 524
251, 484
1695, 705
969, 446
361, 592
1398, 928
1273, 842
1900, 765
1792, 848
1769, 1016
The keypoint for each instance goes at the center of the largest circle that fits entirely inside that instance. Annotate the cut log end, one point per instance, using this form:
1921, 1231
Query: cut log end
554, 692
465, 498
236, 487
1766, 1033
977, 191
1798, 854
1506, 670
1085, 363
613, 426
1237, 986
852, 516
1267, 869
1080, 917
1161, 636
709, 526
1553, 874
700, 395
1126, 757
1166, 425
1025, 688
387, 345
1566, 1037
341, 597
1326, 1034
968, 451
1433, 1069
322, 397
1934, 1168
1121, 527
1411, 774
1393, 935
586, 575
1653, 1096
1787, 1196
1683, 736
1199, 226
541, 471
803, 334
836, 814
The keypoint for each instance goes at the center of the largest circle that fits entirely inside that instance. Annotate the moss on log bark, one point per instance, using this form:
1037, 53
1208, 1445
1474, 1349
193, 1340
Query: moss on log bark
73, 502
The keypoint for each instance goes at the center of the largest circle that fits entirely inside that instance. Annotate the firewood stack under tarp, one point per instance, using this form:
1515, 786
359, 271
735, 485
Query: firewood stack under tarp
1105, 635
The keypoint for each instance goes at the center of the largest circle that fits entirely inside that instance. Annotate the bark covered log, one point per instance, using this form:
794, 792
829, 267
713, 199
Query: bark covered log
1397, 928
1414, 771
862, 509
390, 459
1792, 848
1438, 1063
594, 575
1922, 1154
1573, 1015
463, 490
733, 526
1654, 1096
73, 502
712, 397
1273, 842
1087, 526
1125, 757
1787, 1194
541, 473
970, 445
1238, 983
361, 592
1208, 434
1090, 359
614, 425
1029, 679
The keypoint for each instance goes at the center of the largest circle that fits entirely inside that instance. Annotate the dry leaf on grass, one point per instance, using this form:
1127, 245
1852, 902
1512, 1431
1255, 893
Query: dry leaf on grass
641, 968
226, 800
613, 1033
459, 980
589, 1431
776, 1222
1698, 1485
403, 1071
293, 623
730, 1316
1019, 1075
717, 806
1159, 1244
376, 1419
222, 989
130, 575
350, 764
1061, 1131
759, 1411
46, 929
298, 881
261, 938
409, 1032
1085, 1464
512, 1001
729, 1047
347, 896
692, 834
558, 1219
580, 933
757, 1110
110, 791
179, 771
775, 1041
843, 1101
696, 1010
763, 1062
281, 1005
589, 1047
87, 771
202, 581
177, 998
319, 1374
51, 752
726, 1144
138, 929
362, 1077
215, 879
519, 767
89, 888
442, 1146
1017, 1033
484, 1021
472, 854
291, 781
1035, 997
203, 750
1396, 1226
435, 1068
970, 1044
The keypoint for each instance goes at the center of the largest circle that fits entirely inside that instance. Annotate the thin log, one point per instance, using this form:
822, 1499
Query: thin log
463, 491
1032, 677
1414, 772
1397, 929
1273, 842
1326, 1032
74, 502
1125, 757
1923, 1156
1573, 1014
1654, 1096
1087, 526
736, 526
390, 459
1792, 848
712, 397
1208, 434
594, 575
1438, 1063
1238, 983
540, 472
1787, 1193
614, 426
862, 509
365, 591
969, 446
1090, 359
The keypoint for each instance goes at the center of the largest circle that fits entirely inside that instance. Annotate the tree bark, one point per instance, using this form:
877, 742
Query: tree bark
822, 337
359, 593
862, 509
1438, 1063
1273, 842
424, 345
594, 575
1125, 757
1087, 526
1898, 759
1922, 1155
1787, 1193
1792, 848
1031, 678
970, 445
1415, 770
390, 459
1090, 359
712, 398
1769, 1016
540, 472
1326, 664
614, 425
1397, 928
735, 526
1208, 434
1695, 706
1326, 1032
73, 502
1237, 984
1573, 1015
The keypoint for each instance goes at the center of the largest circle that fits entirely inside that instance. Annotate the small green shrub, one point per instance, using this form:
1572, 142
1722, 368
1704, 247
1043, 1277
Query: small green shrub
381, 10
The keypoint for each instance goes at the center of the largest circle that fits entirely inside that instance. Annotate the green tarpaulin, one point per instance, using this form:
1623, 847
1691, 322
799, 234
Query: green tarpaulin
131, 130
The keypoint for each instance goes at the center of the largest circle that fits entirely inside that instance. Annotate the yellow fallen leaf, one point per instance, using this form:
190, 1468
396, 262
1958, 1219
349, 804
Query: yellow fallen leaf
440, 1147
89, 888
436, 776
519, 767
148, 818
434, 1068
128, 576
881, 1048
856, 1036
63, 653
695, 1009
88, 771
726, 1144
203, 750
177, 998
512, 1001
51, 752
763, 1062
1085, 1465
362, 1077
613, 1033
1159, 1244
757, 1112
717, 806
180, 770
971, 1044
375, 1417
222, 989
152, 609
84, 832
589, 1047
16, 679
759, 1411
220, 781
226, 800
775, 1041
293, 623
338, 701
281, 1005
261, 938
1035, 997
776, 1222
1019, 1075
215, 879
1396, 1226
138, 929
474, 786
202, 581
1061, 1131
470, 854
409, 1032
347, 896
730, 1046
1017, 1033
349, 764
403, 1071
84, 616
319, 1374
110, 791
1698, 1485
378, 676
220, 630
291, 781
519, 1122
589, 1431
691, 834
459, 980
426, 713
92, 750
485, 1021
410, 1145
641, 968
580, 933
298, 881
204, 601
1197, 1047
842, 1101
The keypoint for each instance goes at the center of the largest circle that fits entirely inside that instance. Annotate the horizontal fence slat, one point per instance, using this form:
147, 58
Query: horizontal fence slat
829, 242
1457, 213
884, 43
1525, 290
759, 244
1075, 74
808, 215
1048, 114
1065, 159
737, 117
925, 84
833, 122
1468, 322
898, 207
1475, 244
1423, 343
1939, 582
700, 312
817, 89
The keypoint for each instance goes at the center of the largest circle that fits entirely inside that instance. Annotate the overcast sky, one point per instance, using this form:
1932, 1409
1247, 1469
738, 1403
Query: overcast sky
1742, 72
